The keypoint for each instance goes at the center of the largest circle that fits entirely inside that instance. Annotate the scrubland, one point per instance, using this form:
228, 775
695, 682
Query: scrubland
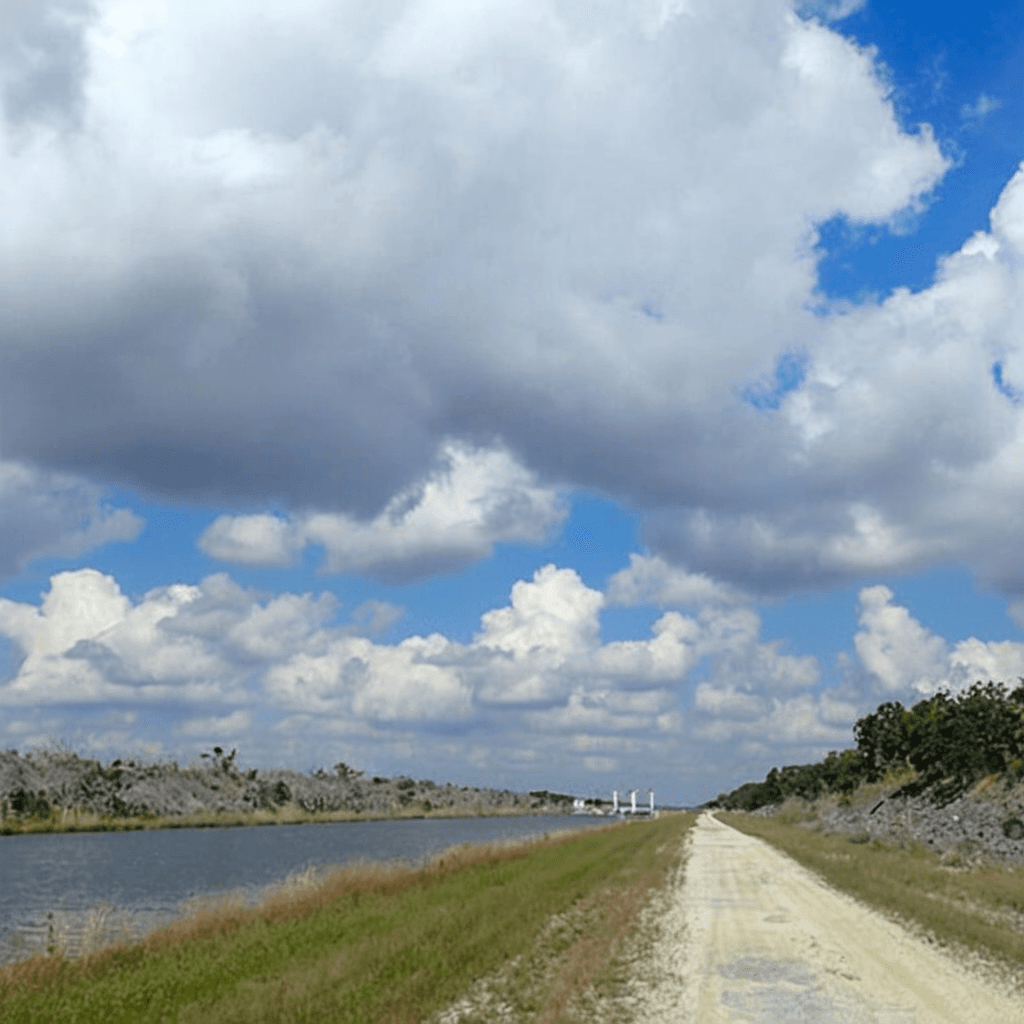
56, 790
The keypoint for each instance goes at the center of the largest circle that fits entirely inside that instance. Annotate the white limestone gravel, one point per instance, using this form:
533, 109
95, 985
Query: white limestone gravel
747, 935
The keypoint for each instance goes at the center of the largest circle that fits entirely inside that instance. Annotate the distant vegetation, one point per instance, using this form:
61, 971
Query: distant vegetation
56, 789
950, 742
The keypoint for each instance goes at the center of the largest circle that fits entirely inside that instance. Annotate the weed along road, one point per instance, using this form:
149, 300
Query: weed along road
749, 935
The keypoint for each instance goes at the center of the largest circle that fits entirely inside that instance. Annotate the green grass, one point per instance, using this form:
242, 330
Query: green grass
980, 909
370, 944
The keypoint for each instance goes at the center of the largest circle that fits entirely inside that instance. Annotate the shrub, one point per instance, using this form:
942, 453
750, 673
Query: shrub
950, 742
1013, 828
25, 803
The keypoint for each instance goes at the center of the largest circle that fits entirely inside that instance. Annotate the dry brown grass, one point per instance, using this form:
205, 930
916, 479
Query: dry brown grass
74, 820
292, 900
369, 942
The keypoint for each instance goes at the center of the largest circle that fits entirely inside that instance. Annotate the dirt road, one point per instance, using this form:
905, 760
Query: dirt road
750, 936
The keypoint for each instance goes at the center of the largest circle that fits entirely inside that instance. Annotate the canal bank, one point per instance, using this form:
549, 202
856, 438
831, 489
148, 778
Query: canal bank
376, 942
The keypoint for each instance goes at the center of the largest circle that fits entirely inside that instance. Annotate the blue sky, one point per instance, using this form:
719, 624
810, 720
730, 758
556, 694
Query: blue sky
567, 396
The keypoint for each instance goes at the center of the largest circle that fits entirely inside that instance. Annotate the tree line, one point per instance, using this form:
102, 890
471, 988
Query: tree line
949, 741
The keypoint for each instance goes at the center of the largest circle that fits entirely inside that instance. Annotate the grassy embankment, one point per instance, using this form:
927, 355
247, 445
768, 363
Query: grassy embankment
980, 908
376, 943
88, 821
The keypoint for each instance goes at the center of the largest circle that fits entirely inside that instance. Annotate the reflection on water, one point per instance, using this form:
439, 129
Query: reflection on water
83, 890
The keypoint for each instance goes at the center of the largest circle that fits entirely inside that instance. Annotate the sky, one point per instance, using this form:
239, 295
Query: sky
546, 395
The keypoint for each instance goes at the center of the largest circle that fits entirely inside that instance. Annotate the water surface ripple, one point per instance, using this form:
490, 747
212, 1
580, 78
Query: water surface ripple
146, 876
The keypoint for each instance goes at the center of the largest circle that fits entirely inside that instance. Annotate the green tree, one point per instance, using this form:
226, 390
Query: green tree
883, 740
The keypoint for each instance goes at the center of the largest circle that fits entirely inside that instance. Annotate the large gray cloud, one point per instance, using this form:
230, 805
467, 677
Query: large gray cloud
288, 256
43, 60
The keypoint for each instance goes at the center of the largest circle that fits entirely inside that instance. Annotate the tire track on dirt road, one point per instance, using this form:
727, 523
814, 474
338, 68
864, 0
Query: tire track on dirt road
750, 936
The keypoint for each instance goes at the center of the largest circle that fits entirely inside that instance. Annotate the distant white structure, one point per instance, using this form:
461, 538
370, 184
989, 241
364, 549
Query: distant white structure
633, 808
581, 805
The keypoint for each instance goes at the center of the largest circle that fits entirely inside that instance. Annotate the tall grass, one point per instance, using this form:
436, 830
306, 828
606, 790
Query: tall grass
76, 820
980, 909
373, 943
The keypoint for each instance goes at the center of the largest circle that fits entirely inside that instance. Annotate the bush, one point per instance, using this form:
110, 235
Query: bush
25, 803
951, 742
1013, 828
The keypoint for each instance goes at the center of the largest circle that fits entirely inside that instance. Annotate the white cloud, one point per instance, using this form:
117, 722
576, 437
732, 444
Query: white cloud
804, 724
554, 614
45, 514
807, 720
374, 617
455, 516
286, 255
251, 540
537, 690
729, 702
830, 10
974, 660
905, 657
895, 648
668, 655
353, 676
215, 662
87, 643
757, 691
907, 428
981, 108
651, 580
237, 723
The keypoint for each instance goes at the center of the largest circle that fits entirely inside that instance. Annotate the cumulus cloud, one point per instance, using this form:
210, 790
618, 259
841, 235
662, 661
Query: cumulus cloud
895, 648
284, 675
651, 580
251, 540
286, 256
536, 690
455, 516
44, 514
759, 693
908, 423
904, 657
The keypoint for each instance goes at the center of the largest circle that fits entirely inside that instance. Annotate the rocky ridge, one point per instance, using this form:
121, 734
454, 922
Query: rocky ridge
47, 784
987, 822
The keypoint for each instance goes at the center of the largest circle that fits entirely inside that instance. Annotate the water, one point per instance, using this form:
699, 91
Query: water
53, 888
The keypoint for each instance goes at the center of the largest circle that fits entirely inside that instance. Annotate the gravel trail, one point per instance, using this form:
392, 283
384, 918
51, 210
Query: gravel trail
750, 936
